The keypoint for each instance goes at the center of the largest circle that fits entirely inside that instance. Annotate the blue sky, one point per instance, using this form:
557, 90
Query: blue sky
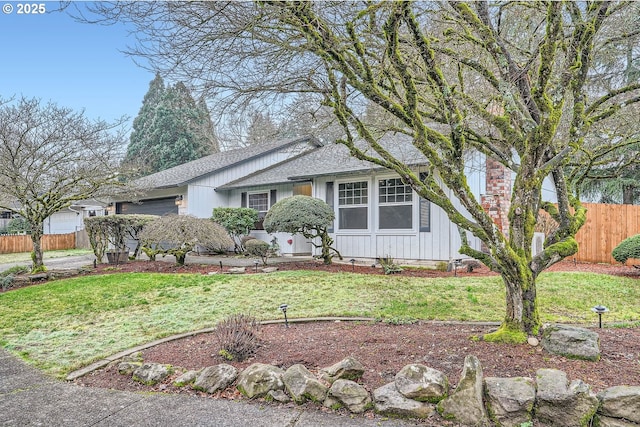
75, 65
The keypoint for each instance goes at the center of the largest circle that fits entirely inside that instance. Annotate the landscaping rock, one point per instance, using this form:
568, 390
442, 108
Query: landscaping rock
421, 383
347, 369
387, 400
258, 379
130, 363
571, 342
465, 404
602, 421
348, 394
302, 385
127, 368
278, 396
214, 378
186, 378
236, 270
151, 373
621, 402
269, 269
510, 400
559, 403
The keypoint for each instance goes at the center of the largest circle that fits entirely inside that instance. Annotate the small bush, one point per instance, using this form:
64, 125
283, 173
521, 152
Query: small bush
258, 248
628, 248
389, 266
16, 269
6, 281
442, 266
237, 337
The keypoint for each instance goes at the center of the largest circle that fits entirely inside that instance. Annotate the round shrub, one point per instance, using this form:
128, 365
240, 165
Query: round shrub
628, 248
305, 215
257, 247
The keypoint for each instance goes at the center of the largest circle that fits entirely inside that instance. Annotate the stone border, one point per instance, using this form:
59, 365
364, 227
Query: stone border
109, 359
104, 362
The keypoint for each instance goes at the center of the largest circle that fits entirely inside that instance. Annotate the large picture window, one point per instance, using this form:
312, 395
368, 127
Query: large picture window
353, 202
395, 200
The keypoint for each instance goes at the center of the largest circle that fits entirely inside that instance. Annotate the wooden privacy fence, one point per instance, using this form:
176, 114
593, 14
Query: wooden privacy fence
605, 228
22, 243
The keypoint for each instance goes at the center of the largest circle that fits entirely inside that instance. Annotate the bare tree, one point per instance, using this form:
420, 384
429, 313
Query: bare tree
513, 81
50, 157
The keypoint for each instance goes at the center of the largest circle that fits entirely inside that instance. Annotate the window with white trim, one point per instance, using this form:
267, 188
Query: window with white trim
395, 204
353, 205
259, 202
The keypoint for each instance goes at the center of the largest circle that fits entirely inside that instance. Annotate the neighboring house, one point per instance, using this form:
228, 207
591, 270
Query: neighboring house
5, 218
71, 219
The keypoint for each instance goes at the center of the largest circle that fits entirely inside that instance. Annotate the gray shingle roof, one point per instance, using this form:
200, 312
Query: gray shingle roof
332, 159
187, 172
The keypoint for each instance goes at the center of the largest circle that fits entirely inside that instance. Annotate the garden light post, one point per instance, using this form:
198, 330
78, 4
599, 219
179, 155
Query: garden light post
255, 265
284, 307
353, 264
599, 310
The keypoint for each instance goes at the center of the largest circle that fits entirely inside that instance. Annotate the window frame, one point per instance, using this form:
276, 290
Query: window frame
261, 214
336, 190
411, 203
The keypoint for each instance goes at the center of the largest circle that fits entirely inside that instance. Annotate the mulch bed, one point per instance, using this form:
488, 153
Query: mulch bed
383, 348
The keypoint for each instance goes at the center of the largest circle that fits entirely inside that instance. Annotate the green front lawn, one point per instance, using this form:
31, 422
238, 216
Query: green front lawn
63, 325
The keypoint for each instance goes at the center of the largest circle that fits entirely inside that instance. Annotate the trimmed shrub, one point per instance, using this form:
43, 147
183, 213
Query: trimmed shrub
628, 248
260, 248
179, 234
305, 215
237, 221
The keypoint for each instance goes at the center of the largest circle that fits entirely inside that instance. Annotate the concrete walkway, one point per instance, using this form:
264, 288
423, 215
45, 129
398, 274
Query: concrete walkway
28, 398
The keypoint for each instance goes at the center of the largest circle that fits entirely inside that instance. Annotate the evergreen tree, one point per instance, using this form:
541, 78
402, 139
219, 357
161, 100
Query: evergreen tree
171, 129
143, 124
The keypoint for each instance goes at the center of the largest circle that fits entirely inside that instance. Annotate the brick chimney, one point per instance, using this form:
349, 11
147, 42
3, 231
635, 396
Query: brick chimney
497, 199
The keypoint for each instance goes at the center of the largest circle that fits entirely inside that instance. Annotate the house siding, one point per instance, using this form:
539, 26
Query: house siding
299, 244
441, 242
202, 195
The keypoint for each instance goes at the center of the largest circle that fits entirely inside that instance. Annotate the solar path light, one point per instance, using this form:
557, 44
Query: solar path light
284, 307
599, 310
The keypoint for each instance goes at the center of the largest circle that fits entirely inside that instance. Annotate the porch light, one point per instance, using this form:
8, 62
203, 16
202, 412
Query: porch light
600, 310
179, 199
284, 307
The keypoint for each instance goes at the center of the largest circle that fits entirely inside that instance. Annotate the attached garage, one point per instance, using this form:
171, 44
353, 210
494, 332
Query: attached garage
160, 207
